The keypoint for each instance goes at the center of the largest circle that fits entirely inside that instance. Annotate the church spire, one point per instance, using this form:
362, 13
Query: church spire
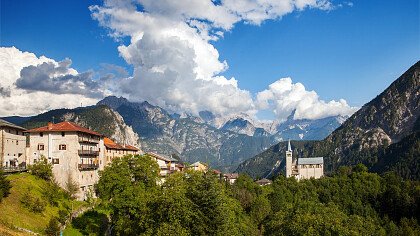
289, 147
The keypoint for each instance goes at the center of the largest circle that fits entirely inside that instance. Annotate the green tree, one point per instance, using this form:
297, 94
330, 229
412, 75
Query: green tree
71, 186
127, 172
5, 186
42, 169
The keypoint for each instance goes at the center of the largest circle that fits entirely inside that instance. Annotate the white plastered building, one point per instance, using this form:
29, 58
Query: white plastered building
303, 168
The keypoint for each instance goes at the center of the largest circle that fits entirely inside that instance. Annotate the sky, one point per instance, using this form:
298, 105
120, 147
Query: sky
262, 58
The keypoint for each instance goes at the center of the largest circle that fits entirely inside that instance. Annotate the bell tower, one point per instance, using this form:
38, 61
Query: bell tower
289, 159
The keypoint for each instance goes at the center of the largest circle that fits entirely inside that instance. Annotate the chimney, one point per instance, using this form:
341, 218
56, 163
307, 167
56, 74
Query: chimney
50, 125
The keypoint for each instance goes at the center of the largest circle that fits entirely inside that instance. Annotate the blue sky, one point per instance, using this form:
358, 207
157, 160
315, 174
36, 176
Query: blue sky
351, 52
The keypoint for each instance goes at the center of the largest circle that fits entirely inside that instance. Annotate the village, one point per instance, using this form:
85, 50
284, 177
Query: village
77, 154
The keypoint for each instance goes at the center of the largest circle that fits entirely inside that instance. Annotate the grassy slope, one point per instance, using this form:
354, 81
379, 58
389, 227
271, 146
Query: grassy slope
13, 214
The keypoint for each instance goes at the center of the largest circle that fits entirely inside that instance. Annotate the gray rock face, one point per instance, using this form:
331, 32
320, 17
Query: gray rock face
186, 136
308, 129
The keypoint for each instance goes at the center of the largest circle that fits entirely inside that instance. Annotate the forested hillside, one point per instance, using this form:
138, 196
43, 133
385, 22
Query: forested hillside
391, 118
350, 202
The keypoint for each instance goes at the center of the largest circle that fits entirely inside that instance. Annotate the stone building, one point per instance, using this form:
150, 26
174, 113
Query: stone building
231, 177
74, 151
198, 166
12, 145
114, 150
303, 168
167, 165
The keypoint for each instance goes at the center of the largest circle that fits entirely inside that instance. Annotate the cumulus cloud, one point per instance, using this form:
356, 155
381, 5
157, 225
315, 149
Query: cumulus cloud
175, 64
21, 101
284, 96
59, 78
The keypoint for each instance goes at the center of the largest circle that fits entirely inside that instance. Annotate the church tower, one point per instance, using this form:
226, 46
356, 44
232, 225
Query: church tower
289, 160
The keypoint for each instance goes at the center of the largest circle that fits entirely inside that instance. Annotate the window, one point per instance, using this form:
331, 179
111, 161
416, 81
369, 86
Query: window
63, 134
40, 146
41, 134
62, 147
56, 161
17, 142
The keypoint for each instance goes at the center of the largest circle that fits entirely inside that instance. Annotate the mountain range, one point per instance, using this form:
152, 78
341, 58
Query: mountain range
383, 135
223, 142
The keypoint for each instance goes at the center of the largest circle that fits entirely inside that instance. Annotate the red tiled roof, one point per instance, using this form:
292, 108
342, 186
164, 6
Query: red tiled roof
62, 127
129, 147
109, 143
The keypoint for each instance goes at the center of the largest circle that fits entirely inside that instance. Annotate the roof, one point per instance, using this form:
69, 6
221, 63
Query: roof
129, 147
197, 163
231, 175
311, 161
63, 127
109, 143
264, 181
4, 123
165, 158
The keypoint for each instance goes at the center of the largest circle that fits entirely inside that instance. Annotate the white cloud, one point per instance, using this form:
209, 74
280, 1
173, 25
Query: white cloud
284, 96
175, 65
23, 102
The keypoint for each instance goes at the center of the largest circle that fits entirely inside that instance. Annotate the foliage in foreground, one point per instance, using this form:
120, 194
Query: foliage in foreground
42, 169
352, 202
188, 203
54, 204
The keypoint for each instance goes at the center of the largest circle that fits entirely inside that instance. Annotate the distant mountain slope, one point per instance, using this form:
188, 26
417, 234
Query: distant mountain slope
193, 141
17, 120
192, 138
365, 137
101, 119
240, 126
305, 129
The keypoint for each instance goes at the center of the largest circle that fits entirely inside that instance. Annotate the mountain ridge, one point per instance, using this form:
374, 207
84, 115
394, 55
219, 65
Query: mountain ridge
366, 136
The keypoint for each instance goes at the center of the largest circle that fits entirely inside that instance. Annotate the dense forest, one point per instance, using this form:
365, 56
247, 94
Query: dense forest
350, 202
132, 200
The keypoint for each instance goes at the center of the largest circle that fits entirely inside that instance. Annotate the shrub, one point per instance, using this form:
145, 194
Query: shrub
5, 186
42, 169
63, 215
91, 222
71, 187
32, 203
53, 227
52, 193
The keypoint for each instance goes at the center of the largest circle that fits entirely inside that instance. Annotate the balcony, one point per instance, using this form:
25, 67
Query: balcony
88, 153
88, 167
83, 139
14, 169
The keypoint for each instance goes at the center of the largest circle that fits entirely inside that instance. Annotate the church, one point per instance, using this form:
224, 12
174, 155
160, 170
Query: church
303, 168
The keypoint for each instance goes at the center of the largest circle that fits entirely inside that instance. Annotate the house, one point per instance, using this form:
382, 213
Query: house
231, 177
198, 166
263, 182
167, 165
12, 145
114, 150
74, 151
303, 168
